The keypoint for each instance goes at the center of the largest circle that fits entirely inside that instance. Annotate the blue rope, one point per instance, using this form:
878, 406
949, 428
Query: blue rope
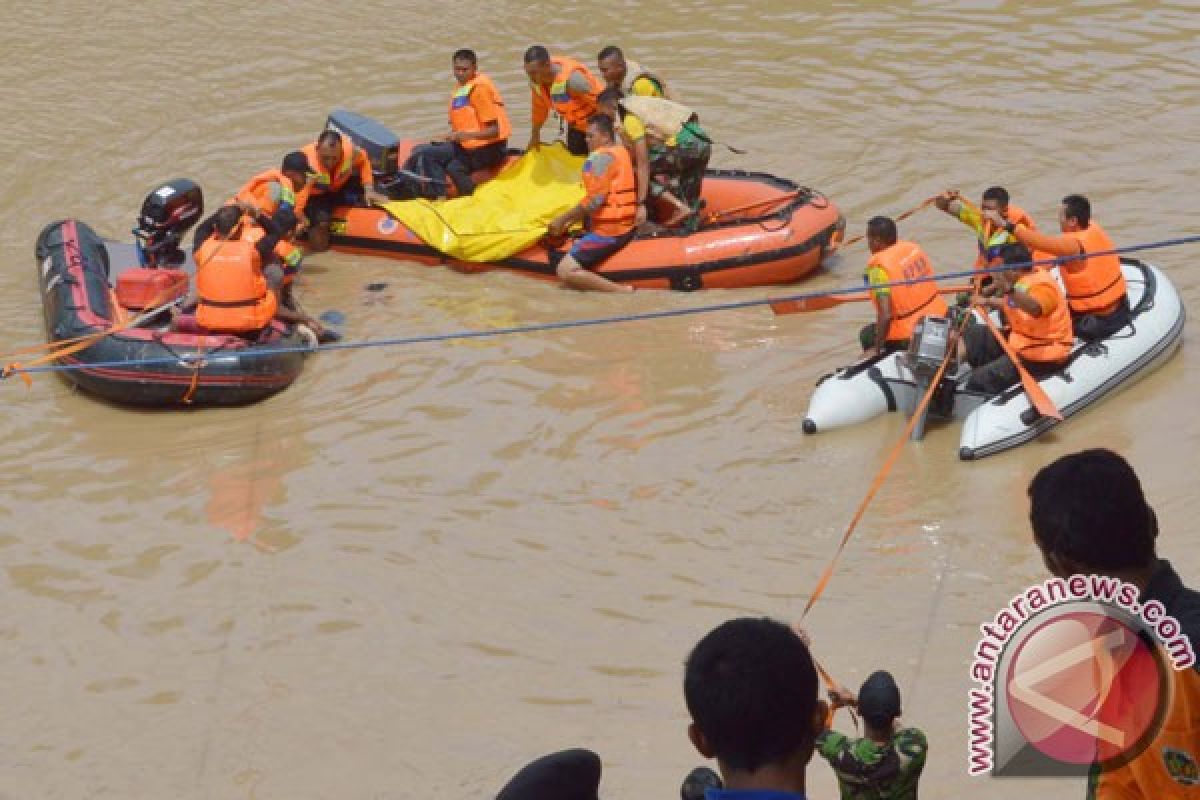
191, 358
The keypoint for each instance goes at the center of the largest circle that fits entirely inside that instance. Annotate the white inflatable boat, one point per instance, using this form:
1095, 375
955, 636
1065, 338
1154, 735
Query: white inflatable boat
992, 423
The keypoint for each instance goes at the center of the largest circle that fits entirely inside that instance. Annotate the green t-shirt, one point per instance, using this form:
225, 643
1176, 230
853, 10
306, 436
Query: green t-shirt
867, 770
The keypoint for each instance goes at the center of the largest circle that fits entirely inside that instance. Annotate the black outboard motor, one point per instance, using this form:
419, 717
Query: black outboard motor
930, 342
167, 214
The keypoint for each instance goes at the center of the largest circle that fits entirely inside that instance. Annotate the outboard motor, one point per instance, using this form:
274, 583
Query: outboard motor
376, 140
930, 342
167, 214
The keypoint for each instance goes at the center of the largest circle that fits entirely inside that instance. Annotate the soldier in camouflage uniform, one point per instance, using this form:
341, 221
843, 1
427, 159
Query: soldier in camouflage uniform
886, 763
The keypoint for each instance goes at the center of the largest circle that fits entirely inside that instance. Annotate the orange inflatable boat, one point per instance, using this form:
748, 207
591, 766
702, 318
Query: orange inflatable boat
759, 230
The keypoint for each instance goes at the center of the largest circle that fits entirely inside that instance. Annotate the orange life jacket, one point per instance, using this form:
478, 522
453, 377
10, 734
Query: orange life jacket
233, 296
619, 186
257, 191
353, 162
905, 261
1046, 339
465, 117
575, 109
1094, 284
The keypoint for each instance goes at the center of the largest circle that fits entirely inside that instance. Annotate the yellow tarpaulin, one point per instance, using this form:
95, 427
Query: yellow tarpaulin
505, 215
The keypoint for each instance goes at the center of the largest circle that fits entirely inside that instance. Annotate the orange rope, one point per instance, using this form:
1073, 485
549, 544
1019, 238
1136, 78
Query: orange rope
65, 347
716, 215
191, 390
899, 218
880, 477
78, 343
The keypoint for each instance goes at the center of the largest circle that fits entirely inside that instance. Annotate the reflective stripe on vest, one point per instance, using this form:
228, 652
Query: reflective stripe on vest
463, 116
905, 261
257, 191
1046, 339
575, 109
616, 216
1094, 283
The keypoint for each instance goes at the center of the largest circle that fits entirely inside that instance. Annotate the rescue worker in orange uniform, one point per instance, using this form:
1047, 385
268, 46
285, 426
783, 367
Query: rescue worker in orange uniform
341, 176
897, 308
274, 193
1095, 285
1090, 516
233, 292
479, 131
1039, 324
630, 77
610, 209
989, 237
275, 189
565, 86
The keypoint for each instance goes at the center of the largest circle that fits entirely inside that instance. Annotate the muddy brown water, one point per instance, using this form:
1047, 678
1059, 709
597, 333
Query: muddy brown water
421, 566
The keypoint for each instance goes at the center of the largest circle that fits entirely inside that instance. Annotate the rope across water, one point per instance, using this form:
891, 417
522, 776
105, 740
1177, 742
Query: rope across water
401, 341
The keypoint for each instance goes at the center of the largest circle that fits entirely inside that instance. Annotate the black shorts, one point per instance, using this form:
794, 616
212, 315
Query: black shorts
1091, 327
319, 208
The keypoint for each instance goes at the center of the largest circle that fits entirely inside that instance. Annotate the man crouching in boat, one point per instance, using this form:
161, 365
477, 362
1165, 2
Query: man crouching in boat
610, 209
897, 308
1094, 283
1039, 321
234, 294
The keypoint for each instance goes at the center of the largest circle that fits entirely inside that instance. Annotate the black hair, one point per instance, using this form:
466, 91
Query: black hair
997, 193
329, 137
751, 688
603, 123
882, 228
610, 95
537, 55
1016, 253
1077, 206
465, 55
1088, 507
609, 52
226, 219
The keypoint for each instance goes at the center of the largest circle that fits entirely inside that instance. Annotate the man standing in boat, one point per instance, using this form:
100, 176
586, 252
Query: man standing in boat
897, 308
565, 86
1040, 325
1094, 283
479, 130
629, 76
610, 208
